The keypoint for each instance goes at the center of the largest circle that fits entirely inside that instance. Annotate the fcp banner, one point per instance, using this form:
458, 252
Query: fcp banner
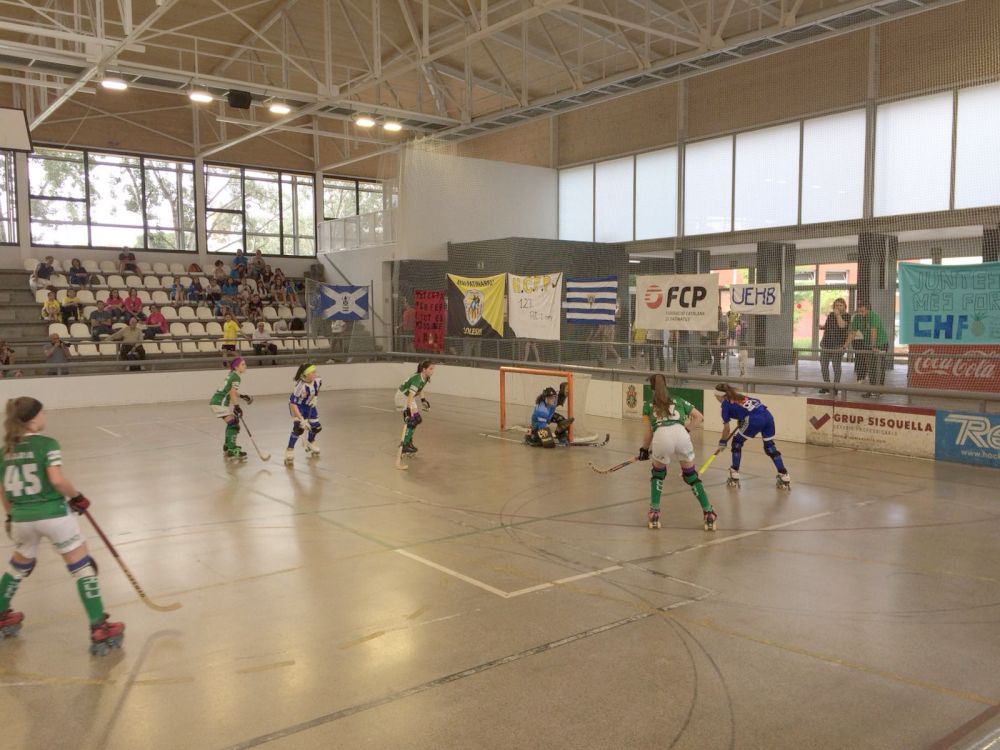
688, 302
335, 302
475, 305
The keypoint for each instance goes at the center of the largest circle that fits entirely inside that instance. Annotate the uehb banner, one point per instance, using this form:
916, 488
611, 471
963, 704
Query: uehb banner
688, 302
533, 305
475, 306
760, 299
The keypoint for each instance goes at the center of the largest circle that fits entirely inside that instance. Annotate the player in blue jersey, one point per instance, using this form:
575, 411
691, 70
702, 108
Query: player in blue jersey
545, 414
753, 419
302, 407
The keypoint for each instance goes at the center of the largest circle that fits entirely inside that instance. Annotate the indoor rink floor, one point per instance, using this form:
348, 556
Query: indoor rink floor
496, 596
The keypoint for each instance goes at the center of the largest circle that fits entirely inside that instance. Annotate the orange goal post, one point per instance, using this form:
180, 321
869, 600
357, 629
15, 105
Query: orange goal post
519, 386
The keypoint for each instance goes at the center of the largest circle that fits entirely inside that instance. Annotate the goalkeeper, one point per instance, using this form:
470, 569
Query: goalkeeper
545, 414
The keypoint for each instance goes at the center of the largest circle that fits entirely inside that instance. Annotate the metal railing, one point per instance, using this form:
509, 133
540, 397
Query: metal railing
353, 232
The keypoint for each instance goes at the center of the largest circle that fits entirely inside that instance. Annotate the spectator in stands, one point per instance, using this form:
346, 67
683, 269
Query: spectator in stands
131, 337
51, 309
257, 265
265, 278
834, 342
133, 305
262, 344
255, 308
56, 353
42, 274
116, 306
278, 287
214, 292
155, 323
872, 347
195, 292
178, 292
219, 272
243, 297
241, 261
127, 264
230, 333
237, 273
78, 275
7, 361
71, 306
230, 290
100, 321
291, 292
297, 325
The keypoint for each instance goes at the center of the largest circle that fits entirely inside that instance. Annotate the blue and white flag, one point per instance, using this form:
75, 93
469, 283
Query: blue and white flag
591, 301
342, 302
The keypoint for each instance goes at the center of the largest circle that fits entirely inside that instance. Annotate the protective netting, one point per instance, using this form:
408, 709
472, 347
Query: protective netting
519, 391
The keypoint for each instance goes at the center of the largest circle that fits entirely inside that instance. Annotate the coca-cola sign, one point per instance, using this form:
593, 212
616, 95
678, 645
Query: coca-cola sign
957, 368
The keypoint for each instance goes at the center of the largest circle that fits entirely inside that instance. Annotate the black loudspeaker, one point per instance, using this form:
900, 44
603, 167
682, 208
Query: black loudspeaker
239, 99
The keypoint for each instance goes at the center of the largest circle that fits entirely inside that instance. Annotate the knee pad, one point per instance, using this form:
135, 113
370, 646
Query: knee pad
234, 422
771, 449
21, 570
546, 439
85, 568
315, 428
660, 474
738, 441
691, 475
297, 428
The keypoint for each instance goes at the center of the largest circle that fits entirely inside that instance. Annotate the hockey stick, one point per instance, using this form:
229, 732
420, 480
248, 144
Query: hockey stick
128, 573
616, 467
601, 444
717, 452
399, 453
261, 456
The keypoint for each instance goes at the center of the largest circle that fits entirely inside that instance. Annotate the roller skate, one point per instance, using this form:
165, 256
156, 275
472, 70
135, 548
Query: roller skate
10, 623
734, 478
783, 481
311, 450
105, 636
710, 518
236, 454
653, 518
289, 456
409, 448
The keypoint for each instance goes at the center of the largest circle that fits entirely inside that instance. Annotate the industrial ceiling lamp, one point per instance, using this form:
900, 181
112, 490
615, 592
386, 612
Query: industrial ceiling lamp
113, 82
392, 126
278, 107
200, 96
364, 121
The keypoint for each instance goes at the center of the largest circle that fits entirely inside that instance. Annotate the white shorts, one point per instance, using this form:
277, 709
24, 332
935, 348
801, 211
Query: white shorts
63, 532
222, 412
400, 400
672, 440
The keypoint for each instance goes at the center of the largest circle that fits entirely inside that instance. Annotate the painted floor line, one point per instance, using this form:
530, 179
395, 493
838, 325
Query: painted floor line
761, 530
105, 429
378, 408
454, 573
560, 581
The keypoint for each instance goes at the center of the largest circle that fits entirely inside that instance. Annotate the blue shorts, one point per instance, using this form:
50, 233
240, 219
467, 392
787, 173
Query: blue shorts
760, 422
309, 413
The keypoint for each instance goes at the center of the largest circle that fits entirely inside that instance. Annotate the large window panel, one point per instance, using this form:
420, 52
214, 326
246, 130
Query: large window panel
58, 185
298, 215
767, 178
170, 212
977, 156
8, 200
340, 198
708, 185
613, 192
576, 203
913, 155
656, 194
262, 212
833, 167
369, 197
115, 200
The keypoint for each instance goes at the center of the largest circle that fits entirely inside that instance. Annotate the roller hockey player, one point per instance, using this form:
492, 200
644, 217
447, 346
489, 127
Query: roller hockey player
545, 414
668, 422
407, 396
754, 418
302, 407
225, 404
34, 498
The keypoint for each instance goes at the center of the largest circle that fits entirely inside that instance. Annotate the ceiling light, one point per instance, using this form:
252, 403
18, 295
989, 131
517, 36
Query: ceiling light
200, 96
114, 83
392, 126
277, 107
634, 261
364, 121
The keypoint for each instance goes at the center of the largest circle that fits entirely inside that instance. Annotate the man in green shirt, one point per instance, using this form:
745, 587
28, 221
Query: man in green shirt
870, 346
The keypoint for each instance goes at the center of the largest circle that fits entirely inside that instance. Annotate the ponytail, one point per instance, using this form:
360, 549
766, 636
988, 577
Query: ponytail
731, 393
662, 403
302, 370
20, 411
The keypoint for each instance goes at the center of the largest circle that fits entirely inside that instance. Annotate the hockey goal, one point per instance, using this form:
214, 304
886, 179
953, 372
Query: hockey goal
520, 386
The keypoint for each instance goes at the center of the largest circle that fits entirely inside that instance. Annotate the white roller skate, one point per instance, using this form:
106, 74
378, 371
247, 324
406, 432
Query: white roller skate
653, 518
710, 518
311, 450
783, 481
734, 478
105, 636
10, 623
289, 456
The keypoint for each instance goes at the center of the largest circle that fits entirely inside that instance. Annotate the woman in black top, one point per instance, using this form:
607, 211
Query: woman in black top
834, 341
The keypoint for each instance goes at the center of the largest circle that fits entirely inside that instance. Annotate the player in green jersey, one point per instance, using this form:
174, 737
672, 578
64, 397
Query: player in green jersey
225, 404
407, 396
34, 497
668, 422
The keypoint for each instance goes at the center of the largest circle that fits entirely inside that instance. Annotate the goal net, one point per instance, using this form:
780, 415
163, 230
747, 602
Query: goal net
520, 386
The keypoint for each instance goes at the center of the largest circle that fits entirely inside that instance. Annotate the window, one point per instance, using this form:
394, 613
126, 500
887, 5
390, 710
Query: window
977, 179
913, 155
767, 178
343, 197
833, 167
708, 186
258, 209
613, 184
656, 194
369, 197
94, 199
8, 200
576, 203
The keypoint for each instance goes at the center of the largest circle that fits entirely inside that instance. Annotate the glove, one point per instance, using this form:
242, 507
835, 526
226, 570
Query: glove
722, 444
248, 399
644, 454
79, 503
425, 403
238, 411
412, 419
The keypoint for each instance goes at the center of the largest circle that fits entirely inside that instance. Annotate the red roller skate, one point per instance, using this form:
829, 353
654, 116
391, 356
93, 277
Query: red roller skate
10, 623
105, 636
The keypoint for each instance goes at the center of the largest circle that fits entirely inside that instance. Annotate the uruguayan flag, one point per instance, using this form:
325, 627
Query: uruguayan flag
591, 301
342, 302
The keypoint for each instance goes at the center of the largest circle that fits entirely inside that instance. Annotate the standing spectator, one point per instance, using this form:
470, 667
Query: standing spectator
131, 348
873, 345
743, 356
51, 309
56, 353
155, 323
716, 347
257, 265
338, 334
408, 328
71, 306
834, 342
100, 321
42, 274
78, 275
278, 287
654, 350
8, 360
240, 262
230, 332
133, 305
116, 306
262, 344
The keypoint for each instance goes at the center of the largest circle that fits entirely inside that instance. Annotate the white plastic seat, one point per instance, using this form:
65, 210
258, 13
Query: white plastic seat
196, 329
245, 346
102, 295
30, 264
107, 266
86, 350
57, 264
117, 326
107, 350
151, 347
251, 284
204, 313
161, 268
79, 331
247, 328
59, 328
189, 347
285, 312
208, 346
186, 312
178, 330
160, 297
133, 282
115, 281
166, 281
86, 296
144, 296
58, 280
184, 280
177, 268
212, 328
152, 282
319, 344
90, 266
270, 313
43, 294
144, 267
169, 313
169, 347
299, 312
98, 281
88, 310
